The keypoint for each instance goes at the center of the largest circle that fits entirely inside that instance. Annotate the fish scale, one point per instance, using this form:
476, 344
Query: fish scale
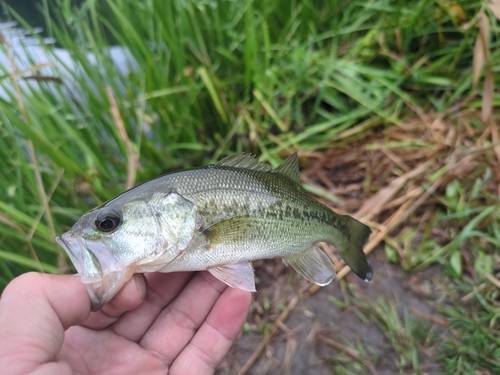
217, 218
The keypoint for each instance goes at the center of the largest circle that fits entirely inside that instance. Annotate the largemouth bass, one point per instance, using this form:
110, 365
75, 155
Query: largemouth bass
217, 218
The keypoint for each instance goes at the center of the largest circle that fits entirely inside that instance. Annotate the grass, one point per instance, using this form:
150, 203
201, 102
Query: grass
318, 78
476, 324
402, 334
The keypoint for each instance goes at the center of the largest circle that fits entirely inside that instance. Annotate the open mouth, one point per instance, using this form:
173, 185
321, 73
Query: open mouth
73, 249
84, 260
92, 270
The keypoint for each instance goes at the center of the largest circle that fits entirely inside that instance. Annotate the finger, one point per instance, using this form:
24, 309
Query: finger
35, 310
211, 343
180, 320
128, 298
162, 289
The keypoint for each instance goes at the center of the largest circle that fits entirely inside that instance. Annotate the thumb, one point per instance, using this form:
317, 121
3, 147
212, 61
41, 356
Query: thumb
35, 310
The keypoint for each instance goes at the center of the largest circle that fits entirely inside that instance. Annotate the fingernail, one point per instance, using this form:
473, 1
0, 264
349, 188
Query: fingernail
141, 285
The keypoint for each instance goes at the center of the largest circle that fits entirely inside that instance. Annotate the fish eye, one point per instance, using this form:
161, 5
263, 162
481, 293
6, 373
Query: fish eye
107, 220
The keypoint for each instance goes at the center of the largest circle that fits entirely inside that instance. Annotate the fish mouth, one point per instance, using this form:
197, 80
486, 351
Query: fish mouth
74, 249
84, 260
102, 278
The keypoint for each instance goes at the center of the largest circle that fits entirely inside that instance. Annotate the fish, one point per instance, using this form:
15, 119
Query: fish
219, 218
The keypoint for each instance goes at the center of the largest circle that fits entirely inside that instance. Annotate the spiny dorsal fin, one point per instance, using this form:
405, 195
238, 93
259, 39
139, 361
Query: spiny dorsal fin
290, 168
247, 161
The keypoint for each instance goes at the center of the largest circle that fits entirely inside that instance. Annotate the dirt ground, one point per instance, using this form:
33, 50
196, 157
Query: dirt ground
299, 346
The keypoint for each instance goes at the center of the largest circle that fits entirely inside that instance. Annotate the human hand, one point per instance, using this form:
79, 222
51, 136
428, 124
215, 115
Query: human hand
175, 323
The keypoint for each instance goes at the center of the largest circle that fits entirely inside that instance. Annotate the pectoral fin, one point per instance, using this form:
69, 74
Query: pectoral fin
313, 264
232, 231
238, 275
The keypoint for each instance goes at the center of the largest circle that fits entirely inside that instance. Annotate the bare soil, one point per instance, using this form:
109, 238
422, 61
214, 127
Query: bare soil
298, 348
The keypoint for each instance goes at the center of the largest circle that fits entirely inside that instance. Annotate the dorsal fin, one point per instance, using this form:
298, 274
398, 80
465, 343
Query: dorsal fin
290, 168
247, 161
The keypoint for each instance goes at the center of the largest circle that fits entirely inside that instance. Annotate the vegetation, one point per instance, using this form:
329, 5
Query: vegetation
399, 93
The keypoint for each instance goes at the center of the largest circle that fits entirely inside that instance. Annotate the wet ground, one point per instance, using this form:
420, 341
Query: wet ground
299, 347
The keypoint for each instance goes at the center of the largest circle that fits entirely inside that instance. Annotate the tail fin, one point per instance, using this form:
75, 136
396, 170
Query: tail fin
353, 254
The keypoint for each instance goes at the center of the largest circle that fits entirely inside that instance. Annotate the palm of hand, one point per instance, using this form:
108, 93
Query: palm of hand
185, 325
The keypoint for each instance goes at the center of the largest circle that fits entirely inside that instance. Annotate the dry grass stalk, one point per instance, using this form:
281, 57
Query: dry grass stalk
290, 350
495, 7
373, 205
132, 158
471, 295
40, 214
480, 49
353, 353
430, 318
492, 279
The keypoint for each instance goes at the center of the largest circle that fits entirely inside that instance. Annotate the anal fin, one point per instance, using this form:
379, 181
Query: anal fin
313, 264
239, 275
